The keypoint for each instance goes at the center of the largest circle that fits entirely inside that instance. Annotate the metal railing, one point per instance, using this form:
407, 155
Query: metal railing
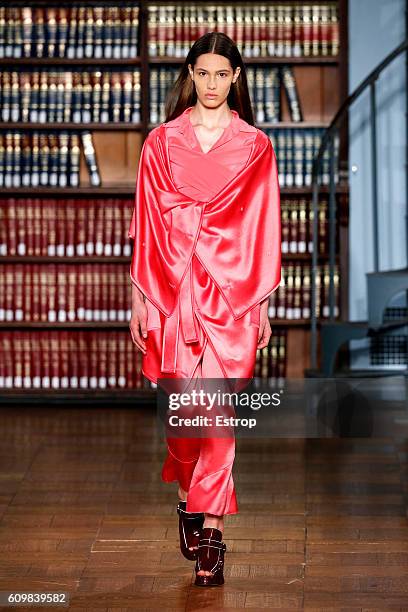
328, 141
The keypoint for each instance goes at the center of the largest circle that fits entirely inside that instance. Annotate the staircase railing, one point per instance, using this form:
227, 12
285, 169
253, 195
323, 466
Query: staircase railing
328, 141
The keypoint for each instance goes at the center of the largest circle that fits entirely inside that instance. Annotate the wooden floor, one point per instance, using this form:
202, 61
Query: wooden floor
322, 523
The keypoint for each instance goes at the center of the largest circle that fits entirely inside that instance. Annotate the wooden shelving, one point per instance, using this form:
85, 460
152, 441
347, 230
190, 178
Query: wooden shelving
91, 127
129, 190
63, 61
9, 125
118, 324
120, 259
317, 60
322, 84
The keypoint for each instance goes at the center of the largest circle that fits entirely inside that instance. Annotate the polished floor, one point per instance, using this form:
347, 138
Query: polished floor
322, 523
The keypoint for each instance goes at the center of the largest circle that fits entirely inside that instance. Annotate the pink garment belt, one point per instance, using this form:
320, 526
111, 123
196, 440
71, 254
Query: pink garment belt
184, 312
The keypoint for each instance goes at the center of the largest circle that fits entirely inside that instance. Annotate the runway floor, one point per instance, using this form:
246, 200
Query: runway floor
322, 522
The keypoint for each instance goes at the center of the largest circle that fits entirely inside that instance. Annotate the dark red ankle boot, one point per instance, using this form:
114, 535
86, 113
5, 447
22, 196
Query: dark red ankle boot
190, 525
210, 558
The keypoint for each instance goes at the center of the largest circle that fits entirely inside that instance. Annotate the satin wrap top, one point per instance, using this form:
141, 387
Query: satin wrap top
206, 230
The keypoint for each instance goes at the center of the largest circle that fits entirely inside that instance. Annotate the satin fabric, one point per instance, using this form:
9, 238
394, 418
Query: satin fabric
203, 465
206, 252
204, 263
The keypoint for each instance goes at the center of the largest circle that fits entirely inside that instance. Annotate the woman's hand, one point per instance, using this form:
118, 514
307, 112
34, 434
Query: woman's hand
138, 321
265, 330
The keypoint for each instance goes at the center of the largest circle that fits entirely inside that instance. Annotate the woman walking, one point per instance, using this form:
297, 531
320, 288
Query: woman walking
206, 257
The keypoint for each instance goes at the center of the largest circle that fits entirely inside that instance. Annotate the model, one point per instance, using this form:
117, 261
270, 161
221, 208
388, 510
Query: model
206, 257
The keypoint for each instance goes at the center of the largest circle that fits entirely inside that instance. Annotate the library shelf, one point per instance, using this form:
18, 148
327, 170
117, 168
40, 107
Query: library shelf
118, 259
128, 190
64, 61
331, 60
121, 324
25, 125
95, 397
121, 126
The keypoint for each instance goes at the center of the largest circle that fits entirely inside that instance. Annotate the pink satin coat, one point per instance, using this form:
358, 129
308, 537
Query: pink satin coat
206, 229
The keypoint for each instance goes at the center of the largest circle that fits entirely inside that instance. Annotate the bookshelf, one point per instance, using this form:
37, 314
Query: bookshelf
321, 81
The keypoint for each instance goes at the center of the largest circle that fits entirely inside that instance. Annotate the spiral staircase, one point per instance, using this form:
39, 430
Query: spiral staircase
381, 286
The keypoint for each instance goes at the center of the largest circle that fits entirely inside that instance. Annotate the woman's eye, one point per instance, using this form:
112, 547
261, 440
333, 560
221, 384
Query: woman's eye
221, 73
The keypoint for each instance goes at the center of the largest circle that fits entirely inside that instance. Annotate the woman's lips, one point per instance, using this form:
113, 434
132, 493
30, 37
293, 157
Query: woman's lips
210, 95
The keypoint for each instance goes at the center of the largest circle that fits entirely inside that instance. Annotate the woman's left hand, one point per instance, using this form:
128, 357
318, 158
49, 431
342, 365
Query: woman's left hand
265, 330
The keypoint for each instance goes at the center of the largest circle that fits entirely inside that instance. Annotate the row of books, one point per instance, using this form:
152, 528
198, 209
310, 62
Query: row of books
264, 84
74, 32
102, 96
259, 29
77, 227
271, 360
102, 292
70, 227
296, 149
65, 292
89, 359
292, 299
45, 159
60, 95
297, 226
52, 159
69, 359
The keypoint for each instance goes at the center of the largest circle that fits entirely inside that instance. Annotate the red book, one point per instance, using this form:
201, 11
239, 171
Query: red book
27, 360
51, 221
117, 229
19, 283
6, 342
90, 213
105, 291
11, 229
61, 228
82, 339
25, 228
37, 227
62, 292
108, 223
88, 280
64, 359
81, 293
36, 359
9, 293
17, 359
122, 344
93, 351
80, 236
73, 360
45, 289
67, 219
112, 361
72, 282
102, 359
3, 227
55, 359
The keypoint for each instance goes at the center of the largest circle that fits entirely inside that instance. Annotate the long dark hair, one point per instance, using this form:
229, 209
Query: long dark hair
183, 94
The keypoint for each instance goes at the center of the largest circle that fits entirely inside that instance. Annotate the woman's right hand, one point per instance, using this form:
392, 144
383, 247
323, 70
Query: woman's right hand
138, 325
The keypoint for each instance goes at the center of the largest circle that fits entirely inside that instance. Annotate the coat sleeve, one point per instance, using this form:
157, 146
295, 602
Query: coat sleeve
165, 225
240, 241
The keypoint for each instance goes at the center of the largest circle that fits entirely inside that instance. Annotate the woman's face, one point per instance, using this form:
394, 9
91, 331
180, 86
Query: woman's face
212, 76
